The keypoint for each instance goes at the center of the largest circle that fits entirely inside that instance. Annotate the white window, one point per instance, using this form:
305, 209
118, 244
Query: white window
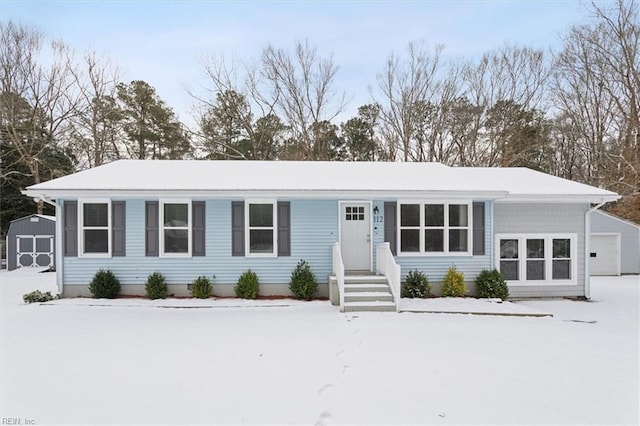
175, 233
528, 259
261, 228
434, 228
95, 228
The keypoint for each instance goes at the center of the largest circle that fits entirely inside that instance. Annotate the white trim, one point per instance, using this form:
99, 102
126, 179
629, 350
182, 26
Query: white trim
548, 257
58, 254
161, 227
247, 226
368, 203
81, 227
445, 229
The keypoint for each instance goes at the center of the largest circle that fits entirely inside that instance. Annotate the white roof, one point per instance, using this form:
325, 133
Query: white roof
191, 178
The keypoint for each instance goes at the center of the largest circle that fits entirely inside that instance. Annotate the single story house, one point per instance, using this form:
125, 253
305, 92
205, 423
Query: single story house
615, 245
31, 242
219, 218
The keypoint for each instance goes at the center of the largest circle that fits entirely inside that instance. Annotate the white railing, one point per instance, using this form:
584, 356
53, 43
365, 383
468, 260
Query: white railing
386, 265
338, 271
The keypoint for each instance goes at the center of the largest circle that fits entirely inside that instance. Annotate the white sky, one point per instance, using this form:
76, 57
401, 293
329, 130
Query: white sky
161, 42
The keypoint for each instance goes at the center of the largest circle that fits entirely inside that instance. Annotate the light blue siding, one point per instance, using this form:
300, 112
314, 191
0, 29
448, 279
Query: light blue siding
314, 228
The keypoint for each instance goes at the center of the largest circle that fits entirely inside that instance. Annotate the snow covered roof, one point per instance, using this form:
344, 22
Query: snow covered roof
190, 178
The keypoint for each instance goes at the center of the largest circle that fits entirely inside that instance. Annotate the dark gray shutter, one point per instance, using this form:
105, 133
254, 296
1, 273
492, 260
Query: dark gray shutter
152, 233
390, 230
284, 228
70, 228
478, 228
198, 228
118, 228
237, 228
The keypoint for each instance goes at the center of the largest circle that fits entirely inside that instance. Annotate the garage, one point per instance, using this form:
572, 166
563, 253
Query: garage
605, 254
614, 245
31, 242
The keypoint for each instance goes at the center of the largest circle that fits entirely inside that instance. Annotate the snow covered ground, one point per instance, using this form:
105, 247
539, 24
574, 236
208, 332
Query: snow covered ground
74, 362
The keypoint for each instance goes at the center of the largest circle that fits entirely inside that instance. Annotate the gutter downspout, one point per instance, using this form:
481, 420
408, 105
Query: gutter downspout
587, 249
58, 248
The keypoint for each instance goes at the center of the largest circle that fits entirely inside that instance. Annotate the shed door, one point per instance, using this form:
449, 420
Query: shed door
34, 250
605, 254
355, 236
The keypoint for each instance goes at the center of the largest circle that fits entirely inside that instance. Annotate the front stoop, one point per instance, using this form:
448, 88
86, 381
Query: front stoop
367, 293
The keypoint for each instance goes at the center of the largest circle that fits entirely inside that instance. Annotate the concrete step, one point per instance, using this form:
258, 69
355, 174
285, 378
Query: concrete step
368, 296
365, 279
369, 306
365, 287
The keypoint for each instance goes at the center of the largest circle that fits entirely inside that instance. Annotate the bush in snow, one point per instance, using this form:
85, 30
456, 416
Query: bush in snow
453, 284
303, 282
38, 297
156, 286
247, 286
104, 285
201, 288
491, 284
416, 285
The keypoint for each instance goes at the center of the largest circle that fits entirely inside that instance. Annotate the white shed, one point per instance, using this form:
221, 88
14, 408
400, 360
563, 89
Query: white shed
614, 245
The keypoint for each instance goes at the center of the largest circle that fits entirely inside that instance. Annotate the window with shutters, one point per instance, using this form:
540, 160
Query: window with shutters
94, 238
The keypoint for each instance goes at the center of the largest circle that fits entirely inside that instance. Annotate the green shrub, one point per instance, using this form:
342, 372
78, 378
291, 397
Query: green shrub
201, 288
247, 286
37, 296
453, 284
491, 284
156, 286
416, 285
303, 282
104, 285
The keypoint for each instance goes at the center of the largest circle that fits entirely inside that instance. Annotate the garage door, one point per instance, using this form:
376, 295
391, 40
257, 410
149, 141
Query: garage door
605, 254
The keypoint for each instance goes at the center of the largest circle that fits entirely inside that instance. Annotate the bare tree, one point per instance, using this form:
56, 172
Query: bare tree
36, 101
301, 86
96, 127
409, 90
597, 91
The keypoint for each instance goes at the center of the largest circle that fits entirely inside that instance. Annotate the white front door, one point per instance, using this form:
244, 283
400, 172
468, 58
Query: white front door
355, 236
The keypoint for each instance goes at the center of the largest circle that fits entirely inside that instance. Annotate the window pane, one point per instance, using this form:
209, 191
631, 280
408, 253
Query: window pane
176, 215
409, 240
433, 215
509, 269
535, 269
176, 241
458, 240
535, 249
261, 241
508, 249
561, 248
261, 215
433, 240
561, 270
96, 241
458, 215
96, 214
409, 215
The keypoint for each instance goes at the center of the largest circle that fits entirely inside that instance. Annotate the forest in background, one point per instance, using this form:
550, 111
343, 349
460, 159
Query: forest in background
573, 111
